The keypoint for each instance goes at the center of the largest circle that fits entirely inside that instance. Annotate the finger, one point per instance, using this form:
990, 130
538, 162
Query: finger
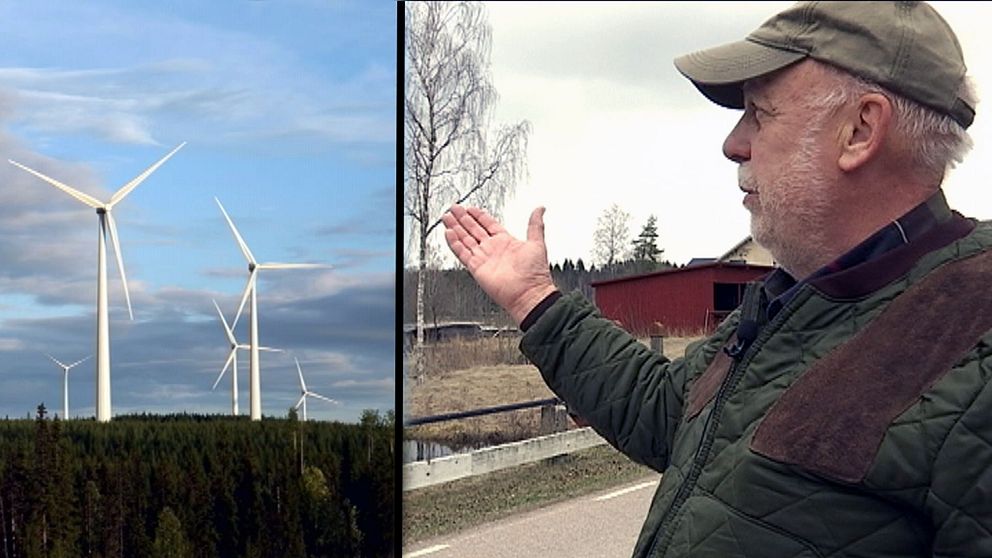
457, 247
535, 226
464, 237
492, 226
457, 211
452, 224
472, 226
449, 220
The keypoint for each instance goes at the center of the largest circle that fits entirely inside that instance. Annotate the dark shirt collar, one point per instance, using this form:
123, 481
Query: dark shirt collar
780, 286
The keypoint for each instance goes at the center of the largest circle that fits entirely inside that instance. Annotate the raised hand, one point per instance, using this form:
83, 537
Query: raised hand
514, 273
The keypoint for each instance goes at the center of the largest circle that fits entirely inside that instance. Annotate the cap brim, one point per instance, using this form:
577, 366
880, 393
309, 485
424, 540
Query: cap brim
720, 72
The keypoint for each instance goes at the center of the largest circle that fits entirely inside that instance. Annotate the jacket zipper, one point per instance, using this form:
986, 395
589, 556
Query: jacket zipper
663, 537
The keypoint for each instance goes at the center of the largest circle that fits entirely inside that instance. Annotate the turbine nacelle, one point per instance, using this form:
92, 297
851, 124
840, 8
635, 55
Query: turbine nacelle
107, 225
104, 209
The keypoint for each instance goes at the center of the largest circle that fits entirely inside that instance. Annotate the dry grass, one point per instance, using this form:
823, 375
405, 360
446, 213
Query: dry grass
459, 354
472, 374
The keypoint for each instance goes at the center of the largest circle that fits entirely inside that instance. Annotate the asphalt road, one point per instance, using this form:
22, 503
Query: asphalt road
601, 525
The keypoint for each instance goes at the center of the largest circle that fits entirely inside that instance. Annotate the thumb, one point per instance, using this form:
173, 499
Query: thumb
535, 227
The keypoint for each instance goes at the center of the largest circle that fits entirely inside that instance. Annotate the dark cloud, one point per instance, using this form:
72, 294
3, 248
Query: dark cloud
167, 359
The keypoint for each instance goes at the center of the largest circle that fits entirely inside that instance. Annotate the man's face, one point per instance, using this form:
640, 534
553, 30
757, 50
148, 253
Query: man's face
779, 144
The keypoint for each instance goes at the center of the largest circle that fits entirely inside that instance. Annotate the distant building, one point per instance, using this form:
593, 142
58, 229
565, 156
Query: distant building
694, 298
748, 251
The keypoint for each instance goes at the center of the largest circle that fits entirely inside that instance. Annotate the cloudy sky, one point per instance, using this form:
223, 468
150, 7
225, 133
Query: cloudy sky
614, 121
288, 112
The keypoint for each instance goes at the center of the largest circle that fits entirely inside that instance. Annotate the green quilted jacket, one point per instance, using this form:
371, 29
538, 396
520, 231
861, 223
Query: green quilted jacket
857, 423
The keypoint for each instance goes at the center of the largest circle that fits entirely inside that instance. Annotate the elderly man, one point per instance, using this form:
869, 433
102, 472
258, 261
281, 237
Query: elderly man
845, 409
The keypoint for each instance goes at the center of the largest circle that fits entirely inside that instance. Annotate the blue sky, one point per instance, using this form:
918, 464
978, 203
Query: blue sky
288, 111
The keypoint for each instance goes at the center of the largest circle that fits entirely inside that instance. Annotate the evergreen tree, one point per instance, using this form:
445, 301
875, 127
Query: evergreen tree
92, 510
170, 539
646, 244
39, 535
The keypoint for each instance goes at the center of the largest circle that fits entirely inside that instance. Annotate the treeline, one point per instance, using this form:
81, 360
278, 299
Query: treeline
196, 486
452, 294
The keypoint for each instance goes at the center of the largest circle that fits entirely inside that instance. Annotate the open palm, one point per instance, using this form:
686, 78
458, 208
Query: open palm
513, 272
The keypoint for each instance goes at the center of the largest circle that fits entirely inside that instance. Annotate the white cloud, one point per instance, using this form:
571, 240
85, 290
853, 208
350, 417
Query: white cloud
9, 344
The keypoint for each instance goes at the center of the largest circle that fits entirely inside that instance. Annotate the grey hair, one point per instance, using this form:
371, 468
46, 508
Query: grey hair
938, 143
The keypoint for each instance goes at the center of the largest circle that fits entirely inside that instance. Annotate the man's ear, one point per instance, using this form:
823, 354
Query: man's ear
865, 131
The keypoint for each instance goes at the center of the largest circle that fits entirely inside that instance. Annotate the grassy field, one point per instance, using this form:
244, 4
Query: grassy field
471, 374
466, 375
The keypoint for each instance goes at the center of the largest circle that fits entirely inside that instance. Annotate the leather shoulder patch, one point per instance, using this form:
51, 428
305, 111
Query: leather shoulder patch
831, 421
708, 383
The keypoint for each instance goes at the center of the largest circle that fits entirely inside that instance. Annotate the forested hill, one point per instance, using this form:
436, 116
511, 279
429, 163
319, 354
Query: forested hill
193, 485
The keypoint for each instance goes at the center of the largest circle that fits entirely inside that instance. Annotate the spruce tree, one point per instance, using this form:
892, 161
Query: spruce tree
170, 539
646, 251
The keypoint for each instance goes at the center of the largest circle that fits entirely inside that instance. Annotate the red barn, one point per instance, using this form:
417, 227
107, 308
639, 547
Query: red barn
691, 299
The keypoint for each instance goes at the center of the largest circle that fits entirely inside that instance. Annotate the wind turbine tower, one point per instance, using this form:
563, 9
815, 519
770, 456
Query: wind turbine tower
306, 393
106, 221
255, 389
232, 357
65, 383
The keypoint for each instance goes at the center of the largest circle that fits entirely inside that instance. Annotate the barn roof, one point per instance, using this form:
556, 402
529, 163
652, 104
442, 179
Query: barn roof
686, 269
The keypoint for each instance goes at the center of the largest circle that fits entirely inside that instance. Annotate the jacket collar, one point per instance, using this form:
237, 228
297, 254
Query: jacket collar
881, 258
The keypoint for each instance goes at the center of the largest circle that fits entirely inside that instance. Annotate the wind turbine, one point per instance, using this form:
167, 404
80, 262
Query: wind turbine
305, 392
255, 388
103, 211
233, 357
65, 383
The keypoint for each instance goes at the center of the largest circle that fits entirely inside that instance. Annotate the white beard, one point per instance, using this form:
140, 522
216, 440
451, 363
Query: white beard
790, 214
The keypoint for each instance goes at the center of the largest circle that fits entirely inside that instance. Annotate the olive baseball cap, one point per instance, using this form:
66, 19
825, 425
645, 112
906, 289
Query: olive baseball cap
903, 46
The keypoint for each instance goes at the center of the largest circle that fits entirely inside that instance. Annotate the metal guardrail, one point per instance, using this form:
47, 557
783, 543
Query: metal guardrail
415, 421
421, 474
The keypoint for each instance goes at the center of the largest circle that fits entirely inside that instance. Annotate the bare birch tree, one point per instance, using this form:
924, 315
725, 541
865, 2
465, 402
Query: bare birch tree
610, 240
451, 156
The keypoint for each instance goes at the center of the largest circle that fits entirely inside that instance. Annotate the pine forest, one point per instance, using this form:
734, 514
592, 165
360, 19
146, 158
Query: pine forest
196, 486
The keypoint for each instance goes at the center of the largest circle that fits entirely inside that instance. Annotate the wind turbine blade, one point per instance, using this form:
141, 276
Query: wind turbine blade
237, 236
244, 298
299, 371
230, 357
55, 360
270, 349
85, 198
227, 330
126, 189
120, 261
293, 266
319, 396
79, 361
300, 402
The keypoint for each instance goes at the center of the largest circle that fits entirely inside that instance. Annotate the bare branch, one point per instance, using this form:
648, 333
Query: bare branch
449, 97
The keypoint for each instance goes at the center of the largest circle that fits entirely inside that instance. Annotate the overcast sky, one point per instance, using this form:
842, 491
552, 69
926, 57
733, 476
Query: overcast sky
289, 113
614, 121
